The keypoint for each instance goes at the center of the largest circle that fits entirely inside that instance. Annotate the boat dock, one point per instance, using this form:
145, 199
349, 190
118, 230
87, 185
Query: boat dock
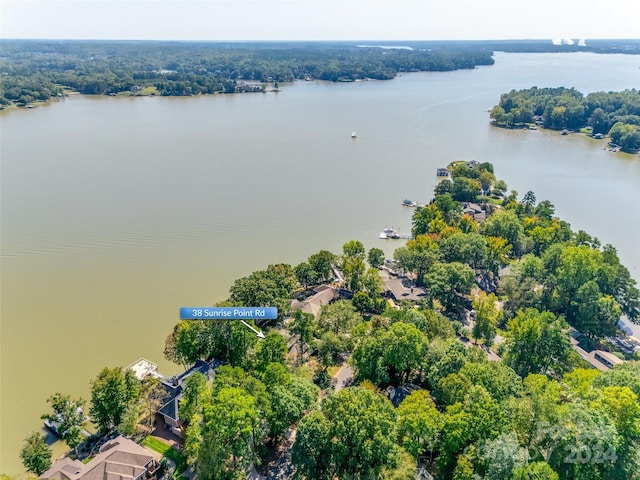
410, 203
393, 234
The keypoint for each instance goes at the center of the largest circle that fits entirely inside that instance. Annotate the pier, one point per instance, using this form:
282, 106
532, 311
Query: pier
393, 234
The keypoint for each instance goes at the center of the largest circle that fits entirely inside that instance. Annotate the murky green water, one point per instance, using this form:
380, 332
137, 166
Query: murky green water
116, 212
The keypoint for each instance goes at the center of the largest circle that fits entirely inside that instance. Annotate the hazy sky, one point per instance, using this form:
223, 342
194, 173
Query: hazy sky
319, 19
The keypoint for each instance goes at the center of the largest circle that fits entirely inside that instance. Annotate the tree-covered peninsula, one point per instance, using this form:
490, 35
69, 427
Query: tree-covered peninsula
616, 114
33, 70
486, 349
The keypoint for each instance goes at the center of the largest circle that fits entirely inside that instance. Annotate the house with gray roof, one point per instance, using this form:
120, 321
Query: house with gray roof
403, 289
324, 294
474, 210
174, 387
118, 459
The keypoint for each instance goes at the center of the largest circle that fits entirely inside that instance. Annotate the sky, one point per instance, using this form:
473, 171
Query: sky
240, 20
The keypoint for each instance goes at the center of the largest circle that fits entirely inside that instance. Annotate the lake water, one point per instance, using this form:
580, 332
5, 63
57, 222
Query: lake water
117, 211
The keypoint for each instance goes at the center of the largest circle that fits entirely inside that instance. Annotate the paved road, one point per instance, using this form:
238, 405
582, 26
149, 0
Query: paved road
343, 377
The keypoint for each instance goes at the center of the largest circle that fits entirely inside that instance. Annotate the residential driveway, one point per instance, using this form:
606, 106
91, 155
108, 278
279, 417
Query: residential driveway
343, 377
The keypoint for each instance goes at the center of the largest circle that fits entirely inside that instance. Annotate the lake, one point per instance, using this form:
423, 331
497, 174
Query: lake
118, 211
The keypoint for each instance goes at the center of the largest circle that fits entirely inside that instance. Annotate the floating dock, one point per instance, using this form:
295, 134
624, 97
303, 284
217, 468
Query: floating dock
393, 234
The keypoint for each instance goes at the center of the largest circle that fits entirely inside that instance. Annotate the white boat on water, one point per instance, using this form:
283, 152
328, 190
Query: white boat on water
388, 233
353, 134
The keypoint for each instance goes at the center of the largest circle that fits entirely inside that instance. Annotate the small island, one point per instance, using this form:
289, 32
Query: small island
599, 114
489, 342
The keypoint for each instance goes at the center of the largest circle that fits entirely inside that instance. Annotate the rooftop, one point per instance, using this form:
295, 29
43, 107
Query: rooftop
118, 459
404, 289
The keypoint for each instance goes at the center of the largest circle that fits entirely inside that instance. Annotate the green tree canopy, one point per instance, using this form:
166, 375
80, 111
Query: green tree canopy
448, 283
323, 262
111, 393
195, 393
272, 349
68, 416
391, 356
230, 433
289, 403
419, 423
375, 257
537, 343
36, 454
338, 317
363, 426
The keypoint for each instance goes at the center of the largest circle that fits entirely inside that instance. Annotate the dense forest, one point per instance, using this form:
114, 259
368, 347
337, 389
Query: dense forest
38, 70
616, 114
479, 378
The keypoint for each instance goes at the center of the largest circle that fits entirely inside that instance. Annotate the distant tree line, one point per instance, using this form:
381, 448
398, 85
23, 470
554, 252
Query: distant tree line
37, 70
614, 113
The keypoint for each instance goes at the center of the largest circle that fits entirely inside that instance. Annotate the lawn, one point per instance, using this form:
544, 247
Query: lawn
171, 453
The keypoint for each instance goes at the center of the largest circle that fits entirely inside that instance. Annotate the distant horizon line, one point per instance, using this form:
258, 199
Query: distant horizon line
547, 39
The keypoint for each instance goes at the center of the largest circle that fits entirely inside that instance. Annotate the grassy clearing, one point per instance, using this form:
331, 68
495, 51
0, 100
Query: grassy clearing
156, 445
167, 451
150, 90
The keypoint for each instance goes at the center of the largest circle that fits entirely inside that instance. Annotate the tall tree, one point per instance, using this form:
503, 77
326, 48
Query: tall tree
477, 418
270, 287
372, 282
419, 255
272, 349
338, 317
448, 283
68, 415
363, 426
419, 423
505, 224
391, 356
184, 345
323, 262
306, 274
487, 317
353, 266
36, 454
535, 471
195, 394
111, 393
537, 343
152, 397
311, 452
501, 456
304, 326
375, 257
228, 446
467, 248
622, 407
289, 403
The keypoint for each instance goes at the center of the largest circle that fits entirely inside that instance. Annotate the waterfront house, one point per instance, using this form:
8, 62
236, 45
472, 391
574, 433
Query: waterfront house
324, 294
474, 210
606, 358
118, 459
403, 289
598, 359
174, 387
442, 172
